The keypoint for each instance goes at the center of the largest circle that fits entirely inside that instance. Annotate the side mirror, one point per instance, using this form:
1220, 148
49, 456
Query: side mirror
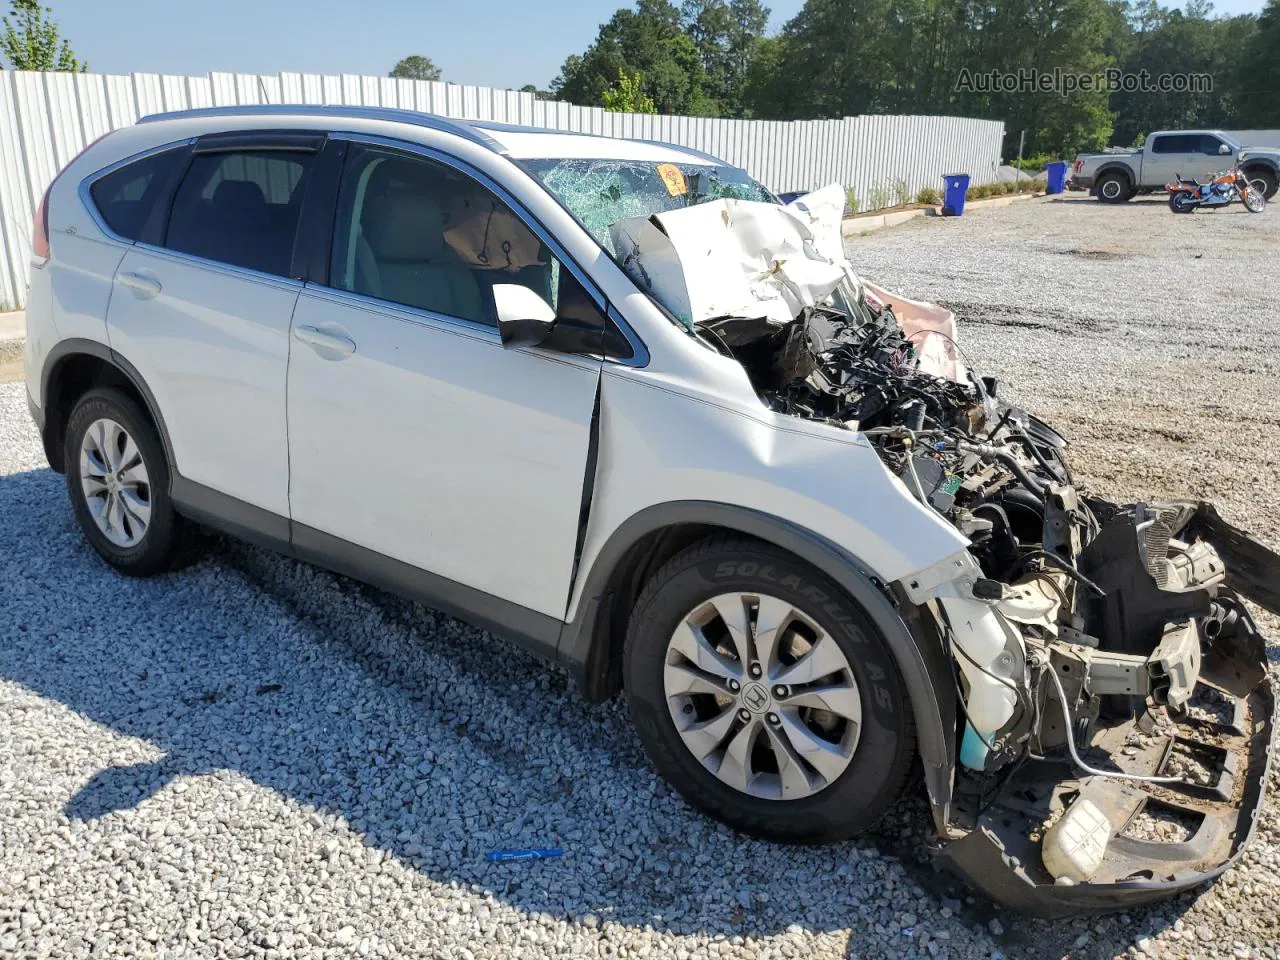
1224, 149
524, 318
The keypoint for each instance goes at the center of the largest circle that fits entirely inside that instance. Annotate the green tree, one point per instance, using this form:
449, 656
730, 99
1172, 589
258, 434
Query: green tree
30, 40
628, 96
1258, 78
416, 67
538, 94
725, 33
648, 40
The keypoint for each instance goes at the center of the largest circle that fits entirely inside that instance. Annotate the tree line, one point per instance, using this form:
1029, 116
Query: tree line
846, 57
840, 58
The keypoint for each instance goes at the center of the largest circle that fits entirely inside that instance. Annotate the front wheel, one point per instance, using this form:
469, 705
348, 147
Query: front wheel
1255, 202
765, 695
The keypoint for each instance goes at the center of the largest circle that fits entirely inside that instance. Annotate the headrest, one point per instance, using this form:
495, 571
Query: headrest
238, 195
409, 226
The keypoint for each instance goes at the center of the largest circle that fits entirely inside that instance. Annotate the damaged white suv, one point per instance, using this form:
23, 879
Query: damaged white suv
610, 399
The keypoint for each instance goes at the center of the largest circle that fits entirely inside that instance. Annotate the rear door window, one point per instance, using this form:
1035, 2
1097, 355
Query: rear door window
241, 207
1176, 143
126, 197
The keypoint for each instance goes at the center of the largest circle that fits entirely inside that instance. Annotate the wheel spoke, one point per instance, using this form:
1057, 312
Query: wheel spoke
732, 608
110, 443
735, 766
115, 517
827, 758
93, 486
792, 777
840, 699
705, 737
681, 679
695, 648
137, 509
772, 617
131, 458
823, 659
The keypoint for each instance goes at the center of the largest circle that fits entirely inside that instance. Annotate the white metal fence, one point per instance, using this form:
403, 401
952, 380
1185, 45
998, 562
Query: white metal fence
47, 118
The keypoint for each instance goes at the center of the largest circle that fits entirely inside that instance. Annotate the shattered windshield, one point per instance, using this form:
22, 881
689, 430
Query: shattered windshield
599, 193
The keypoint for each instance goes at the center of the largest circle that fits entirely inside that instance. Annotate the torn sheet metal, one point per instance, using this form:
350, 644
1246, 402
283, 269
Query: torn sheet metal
730, 258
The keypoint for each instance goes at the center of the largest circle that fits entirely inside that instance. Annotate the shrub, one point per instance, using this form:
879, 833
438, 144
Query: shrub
850, 201
1009, 186
929, 196
880, 195
901, 193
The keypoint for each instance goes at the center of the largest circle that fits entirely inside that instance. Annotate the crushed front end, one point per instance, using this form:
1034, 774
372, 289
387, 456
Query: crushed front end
1115, 711
1117, 714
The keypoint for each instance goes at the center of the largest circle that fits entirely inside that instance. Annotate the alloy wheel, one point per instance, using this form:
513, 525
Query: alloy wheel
114, 479
762, 696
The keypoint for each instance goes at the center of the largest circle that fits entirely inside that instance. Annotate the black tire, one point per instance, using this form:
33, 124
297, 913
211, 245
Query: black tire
1114, 188
1267, 176
164, 543
1179, 204
886, 747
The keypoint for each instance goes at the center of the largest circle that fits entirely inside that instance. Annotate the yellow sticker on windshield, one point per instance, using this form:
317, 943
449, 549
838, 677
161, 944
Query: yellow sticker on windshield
673, 178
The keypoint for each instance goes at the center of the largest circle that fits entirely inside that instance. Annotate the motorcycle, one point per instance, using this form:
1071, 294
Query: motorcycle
1185, 196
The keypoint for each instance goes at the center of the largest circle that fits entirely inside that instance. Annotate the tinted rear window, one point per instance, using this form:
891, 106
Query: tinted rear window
240, 208
126, 197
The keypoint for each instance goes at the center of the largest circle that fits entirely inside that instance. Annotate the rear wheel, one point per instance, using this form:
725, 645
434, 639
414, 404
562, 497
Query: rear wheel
1182, 202
1114, 188
118, 481
765, 695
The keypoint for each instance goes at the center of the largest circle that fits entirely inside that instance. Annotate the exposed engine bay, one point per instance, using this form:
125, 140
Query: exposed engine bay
1107, 672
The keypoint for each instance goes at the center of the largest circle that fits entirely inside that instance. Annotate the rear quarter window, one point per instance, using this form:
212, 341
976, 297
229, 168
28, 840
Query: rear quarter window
125, 197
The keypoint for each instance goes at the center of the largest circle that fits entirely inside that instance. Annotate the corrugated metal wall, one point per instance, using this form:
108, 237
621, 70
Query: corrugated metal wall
46, 118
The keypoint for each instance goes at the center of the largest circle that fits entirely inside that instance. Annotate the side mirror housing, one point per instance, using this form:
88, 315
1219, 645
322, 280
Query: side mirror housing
1224, 149
524, 318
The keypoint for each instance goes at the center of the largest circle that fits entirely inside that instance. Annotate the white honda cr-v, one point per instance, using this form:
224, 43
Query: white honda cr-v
612, 400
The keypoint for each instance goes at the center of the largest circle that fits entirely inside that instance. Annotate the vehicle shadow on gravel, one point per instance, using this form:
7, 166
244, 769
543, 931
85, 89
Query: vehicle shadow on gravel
434, 742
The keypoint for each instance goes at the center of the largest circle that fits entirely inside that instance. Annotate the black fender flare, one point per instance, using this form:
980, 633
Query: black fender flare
1271, 163
925, 665
66, 349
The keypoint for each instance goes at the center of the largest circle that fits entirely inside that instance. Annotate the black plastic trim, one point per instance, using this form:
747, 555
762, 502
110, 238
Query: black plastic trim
535, 631
314, 241
222, 512
65, 349
302, 141
925, 667
532, 630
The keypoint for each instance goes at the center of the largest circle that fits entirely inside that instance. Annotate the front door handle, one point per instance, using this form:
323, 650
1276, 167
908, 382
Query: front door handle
144, 284
332, 345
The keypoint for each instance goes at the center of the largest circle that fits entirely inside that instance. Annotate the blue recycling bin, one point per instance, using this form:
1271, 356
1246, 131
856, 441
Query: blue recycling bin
953, 196
1057, 175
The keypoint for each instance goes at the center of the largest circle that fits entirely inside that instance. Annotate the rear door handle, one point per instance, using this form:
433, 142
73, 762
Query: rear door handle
332, 345
144, 284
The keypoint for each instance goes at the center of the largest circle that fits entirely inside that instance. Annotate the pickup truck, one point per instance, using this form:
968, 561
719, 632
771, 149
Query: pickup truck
1169, 154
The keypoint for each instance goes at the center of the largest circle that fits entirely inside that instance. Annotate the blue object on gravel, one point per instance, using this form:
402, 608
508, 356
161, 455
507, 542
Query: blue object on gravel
502, 856
954, 195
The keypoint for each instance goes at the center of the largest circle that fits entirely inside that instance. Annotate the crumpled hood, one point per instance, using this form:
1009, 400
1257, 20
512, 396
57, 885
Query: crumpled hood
743, 258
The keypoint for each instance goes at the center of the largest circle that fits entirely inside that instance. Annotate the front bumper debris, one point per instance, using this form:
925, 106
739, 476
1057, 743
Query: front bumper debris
1165, 837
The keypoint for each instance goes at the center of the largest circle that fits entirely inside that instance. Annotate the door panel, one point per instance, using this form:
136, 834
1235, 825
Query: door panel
212, 343
432, 444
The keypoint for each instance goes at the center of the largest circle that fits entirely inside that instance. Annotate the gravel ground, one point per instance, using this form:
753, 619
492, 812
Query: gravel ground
257, 758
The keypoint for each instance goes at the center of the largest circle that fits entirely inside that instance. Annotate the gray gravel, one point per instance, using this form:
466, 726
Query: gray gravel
257, 758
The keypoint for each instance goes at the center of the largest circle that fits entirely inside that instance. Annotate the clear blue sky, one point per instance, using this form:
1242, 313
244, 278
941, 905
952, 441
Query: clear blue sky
499, 43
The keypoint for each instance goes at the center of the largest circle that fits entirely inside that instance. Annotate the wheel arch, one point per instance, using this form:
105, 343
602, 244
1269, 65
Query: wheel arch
76, 366
1267, 165
1106, 170
591, 644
